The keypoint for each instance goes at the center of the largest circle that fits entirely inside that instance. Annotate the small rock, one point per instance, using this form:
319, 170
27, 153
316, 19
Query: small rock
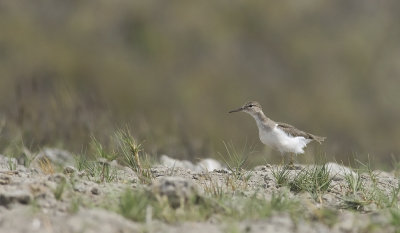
208, 165
223, 171
268, 178
262, 167
296, 167
95, 191
58, 178
5, 180
81, 173
175, 189
103, 161
79, 188
175, 163
69, 170
339, 172
17, 196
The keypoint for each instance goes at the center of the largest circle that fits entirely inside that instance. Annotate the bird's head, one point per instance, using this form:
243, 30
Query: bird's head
249, 107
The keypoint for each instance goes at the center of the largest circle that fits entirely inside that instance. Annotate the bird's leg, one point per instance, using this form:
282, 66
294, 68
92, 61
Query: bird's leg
291, 164
282, 159
291, 159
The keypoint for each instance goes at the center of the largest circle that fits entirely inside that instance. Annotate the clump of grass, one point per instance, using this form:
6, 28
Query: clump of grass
383, 199
354, 183
28, 156
34, 206
135, 205
237, 185
81, 162
134, 157
396, 166
315, 180
12, 164
366, 191
130, 149
97, 168
236, 160
108, 173
101, 171
214, 189
75, 204
2, 124
354, 203
327, 216
395, 219
59, 190
101, 168
252, 208
19, 151
355, 186
258, 208
46, 166
281, 202
281, 175
232, 227
377, 194
100, 151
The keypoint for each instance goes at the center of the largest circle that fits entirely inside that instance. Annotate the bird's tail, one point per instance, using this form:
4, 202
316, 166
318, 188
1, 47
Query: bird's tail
319, 139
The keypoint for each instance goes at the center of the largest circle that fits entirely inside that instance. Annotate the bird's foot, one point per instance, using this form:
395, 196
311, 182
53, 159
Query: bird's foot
291, 165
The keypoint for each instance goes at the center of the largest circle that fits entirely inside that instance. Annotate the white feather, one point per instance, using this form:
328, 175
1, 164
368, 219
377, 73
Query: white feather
283, 142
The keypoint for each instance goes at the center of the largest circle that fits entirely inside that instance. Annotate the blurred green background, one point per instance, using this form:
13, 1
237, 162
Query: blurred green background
172, 69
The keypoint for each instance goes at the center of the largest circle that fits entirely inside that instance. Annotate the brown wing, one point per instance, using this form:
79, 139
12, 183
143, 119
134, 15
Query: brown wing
291, 130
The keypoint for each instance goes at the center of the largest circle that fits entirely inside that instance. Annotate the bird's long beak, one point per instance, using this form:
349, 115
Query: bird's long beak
237, 110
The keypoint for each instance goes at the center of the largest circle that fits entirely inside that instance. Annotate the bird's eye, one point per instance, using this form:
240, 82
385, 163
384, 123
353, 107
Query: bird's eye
251, 105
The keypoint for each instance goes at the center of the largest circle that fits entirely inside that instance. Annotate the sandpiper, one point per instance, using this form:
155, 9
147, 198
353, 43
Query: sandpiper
280, 136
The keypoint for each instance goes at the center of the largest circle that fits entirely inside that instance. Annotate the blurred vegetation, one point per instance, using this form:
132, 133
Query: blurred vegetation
172, 70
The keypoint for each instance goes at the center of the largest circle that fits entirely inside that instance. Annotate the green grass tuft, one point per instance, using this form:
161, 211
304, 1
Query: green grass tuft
133, 205
100, 152
236, 160
81, 162
136, 204
281, 175
315, 180
327, 216
11, 164
134, 157
354, 183
59, 190
395, 219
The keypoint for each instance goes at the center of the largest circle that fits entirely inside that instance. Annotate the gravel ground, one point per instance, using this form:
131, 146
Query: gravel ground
31, 200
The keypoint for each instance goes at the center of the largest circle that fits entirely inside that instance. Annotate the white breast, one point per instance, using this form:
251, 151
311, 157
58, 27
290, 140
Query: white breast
281, 141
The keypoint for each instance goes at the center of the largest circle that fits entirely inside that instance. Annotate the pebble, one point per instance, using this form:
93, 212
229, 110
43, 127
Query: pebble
69, 170
95, 191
